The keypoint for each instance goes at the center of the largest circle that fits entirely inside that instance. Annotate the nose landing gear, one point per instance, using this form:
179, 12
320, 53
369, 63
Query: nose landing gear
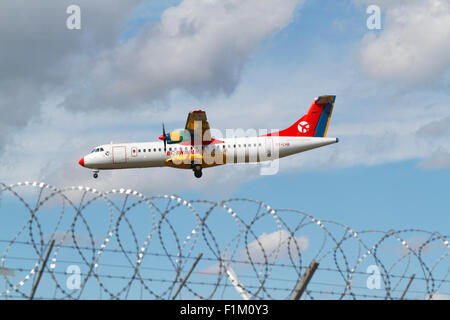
95, 174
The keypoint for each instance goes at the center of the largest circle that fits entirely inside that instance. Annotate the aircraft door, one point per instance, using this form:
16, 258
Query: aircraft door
119, 155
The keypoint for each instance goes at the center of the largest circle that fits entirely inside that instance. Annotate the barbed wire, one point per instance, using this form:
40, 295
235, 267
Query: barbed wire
268, 249
193, 258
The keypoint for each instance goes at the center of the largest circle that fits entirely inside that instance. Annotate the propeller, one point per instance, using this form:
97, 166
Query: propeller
163, 137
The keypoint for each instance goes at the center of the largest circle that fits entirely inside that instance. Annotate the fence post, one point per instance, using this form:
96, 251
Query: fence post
44, 263
301, 286
187, 276
407, 287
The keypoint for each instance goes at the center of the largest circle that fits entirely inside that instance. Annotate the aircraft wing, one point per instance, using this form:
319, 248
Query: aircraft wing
197, 124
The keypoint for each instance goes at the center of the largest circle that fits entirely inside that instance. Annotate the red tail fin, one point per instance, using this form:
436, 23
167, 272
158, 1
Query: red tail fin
314, 123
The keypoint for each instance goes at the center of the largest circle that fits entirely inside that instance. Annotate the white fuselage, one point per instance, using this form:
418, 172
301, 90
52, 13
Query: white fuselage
233, 150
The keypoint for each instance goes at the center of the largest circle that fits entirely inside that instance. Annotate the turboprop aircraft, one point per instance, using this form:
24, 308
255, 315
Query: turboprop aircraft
193, 148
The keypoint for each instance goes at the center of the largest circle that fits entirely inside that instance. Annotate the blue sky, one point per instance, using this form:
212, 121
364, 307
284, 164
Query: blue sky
390, 169
379, 197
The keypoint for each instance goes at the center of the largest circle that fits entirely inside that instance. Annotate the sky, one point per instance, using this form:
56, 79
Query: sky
250, 64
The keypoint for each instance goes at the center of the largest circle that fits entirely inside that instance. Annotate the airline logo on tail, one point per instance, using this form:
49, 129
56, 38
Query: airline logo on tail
303, 127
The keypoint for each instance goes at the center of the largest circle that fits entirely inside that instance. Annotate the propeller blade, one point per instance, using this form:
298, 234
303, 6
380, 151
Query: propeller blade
164, 134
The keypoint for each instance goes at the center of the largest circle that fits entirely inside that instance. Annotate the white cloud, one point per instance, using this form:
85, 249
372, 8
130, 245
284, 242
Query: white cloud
199, 46
414, 47
439, 159
438, 296
275, 245
435, 128
414, 244
38, 51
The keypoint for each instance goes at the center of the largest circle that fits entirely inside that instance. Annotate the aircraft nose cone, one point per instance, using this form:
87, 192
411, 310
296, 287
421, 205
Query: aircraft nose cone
162, 137
81, 162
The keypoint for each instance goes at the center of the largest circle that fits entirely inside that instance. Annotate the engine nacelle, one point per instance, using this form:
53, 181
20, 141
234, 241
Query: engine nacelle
176, 136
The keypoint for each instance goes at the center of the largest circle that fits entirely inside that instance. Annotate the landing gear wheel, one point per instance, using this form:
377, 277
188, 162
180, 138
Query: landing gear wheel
198, 174
95, 175
197, 170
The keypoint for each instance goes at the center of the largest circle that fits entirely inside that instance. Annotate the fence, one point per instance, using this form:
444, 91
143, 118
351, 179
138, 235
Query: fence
82, 243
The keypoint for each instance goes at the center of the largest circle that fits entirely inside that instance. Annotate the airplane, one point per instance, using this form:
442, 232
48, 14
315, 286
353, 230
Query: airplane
193, 148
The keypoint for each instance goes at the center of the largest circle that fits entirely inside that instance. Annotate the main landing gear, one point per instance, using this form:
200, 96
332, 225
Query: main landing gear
197, 170
95, 174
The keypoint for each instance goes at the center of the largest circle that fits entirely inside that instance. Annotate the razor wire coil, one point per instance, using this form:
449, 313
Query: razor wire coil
264, 242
